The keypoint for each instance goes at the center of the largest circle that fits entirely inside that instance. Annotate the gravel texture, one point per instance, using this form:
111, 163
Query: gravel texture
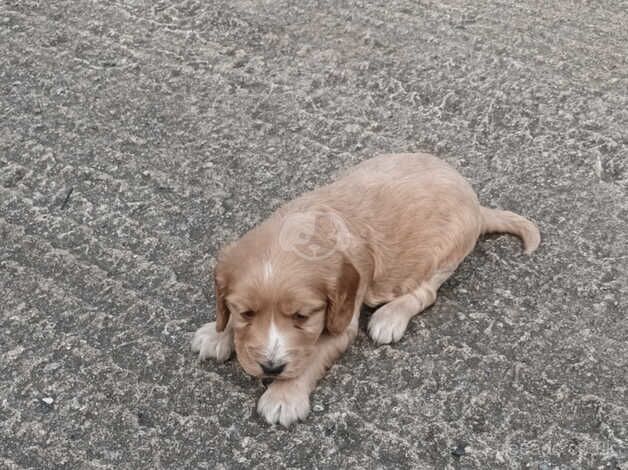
138, 137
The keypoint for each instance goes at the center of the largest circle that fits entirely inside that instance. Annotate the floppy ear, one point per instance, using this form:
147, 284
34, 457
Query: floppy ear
222, 312
341, 299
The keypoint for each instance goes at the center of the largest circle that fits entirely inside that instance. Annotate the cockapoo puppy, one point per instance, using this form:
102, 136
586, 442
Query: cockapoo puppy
388, 233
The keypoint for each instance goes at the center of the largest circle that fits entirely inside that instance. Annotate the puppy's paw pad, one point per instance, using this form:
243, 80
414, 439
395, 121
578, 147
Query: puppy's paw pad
387, 326
208, 342
282, 405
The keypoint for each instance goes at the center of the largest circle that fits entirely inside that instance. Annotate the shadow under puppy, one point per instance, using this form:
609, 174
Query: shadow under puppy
288, 293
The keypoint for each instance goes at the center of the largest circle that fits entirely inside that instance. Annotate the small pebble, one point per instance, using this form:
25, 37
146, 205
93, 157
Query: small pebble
318, 408
48, 400
459, 451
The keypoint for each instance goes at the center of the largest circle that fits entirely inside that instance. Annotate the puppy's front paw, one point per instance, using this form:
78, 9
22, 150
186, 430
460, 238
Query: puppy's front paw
387, 325
207, 342
284, 402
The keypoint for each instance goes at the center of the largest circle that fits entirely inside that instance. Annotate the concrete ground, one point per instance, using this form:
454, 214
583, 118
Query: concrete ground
138, 137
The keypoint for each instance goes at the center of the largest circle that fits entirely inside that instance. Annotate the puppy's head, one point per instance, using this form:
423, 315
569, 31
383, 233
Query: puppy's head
279, 304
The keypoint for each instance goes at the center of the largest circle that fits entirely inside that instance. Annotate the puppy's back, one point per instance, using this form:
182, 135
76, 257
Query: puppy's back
414, 211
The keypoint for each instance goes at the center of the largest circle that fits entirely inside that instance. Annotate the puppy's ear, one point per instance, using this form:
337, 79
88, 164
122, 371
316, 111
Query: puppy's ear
222, 312
341, 299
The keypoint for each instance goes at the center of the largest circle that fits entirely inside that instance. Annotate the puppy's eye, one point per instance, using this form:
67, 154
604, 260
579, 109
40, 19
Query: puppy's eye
299, 318
248, 314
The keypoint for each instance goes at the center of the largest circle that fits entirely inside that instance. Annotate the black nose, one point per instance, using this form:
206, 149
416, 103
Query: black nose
272, 369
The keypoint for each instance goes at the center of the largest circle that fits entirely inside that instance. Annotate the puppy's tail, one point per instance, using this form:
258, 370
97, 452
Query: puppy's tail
495, 220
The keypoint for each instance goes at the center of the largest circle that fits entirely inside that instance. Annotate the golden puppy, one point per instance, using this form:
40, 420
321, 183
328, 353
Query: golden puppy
288, 293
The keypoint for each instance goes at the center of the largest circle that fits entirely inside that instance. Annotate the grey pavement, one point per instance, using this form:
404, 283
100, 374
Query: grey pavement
137, 137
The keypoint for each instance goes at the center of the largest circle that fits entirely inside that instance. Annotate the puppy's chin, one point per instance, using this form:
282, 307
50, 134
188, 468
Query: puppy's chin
267, 382
285, 375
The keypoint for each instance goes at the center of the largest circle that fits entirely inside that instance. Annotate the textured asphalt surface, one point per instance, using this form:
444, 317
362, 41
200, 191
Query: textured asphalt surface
136, 138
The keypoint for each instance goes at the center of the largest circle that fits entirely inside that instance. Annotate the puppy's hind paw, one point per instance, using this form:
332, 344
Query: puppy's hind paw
208, 342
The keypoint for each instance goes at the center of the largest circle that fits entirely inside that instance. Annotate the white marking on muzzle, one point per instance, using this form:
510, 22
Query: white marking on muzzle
275, 348
268, 270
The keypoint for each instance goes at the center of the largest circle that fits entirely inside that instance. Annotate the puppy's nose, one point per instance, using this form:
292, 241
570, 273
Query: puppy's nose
272, 369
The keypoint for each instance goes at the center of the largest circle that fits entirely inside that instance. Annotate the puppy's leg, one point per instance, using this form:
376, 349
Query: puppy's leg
389, 322
208, 342
286, 401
